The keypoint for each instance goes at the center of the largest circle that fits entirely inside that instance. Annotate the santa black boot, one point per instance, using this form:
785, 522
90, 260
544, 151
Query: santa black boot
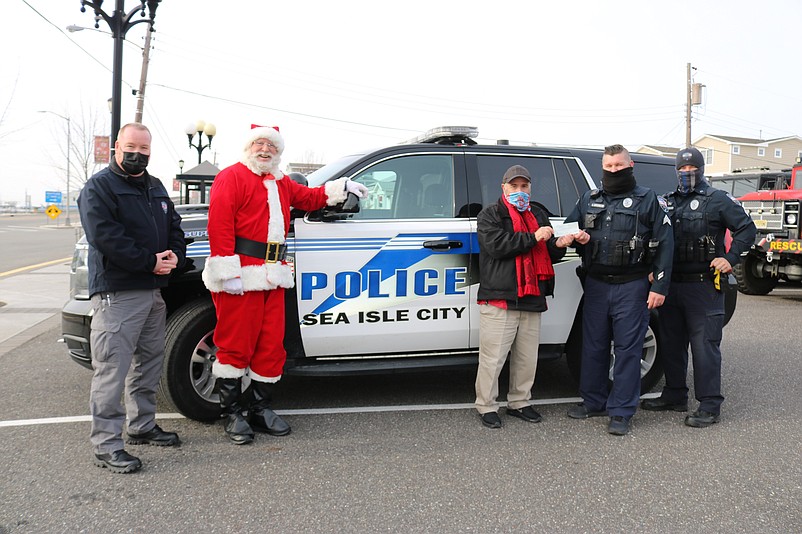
231, 407
262, 418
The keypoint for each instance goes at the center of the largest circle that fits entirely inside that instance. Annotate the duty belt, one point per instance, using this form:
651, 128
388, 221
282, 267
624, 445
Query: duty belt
617, 278
272, 251
691, 277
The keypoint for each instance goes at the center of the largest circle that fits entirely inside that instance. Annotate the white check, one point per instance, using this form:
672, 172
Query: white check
561, 229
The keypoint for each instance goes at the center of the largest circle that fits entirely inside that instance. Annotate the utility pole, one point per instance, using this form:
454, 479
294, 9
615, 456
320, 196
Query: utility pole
693, 97
688, 108
140, 95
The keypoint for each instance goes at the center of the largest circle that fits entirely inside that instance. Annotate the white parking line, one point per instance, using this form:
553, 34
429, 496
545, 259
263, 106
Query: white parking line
312, 411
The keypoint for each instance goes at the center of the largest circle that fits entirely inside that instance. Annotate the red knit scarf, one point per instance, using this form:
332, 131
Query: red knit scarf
534, 265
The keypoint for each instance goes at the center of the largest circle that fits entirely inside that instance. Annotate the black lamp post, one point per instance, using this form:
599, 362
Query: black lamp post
119, 22
200, 128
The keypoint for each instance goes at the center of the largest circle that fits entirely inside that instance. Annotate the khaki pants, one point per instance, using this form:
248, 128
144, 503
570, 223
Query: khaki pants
502, 331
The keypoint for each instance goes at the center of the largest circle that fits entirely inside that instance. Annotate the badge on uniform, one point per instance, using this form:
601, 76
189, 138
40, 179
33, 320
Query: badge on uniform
694, 204
164, 207
627, 202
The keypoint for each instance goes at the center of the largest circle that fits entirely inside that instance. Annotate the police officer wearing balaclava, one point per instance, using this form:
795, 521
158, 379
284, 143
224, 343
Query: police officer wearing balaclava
694, 309
135, 242
625, 237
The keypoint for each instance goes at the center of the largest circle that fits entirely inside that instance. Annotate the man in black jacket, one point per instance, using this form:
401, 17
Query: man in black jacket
135, 241
516, 250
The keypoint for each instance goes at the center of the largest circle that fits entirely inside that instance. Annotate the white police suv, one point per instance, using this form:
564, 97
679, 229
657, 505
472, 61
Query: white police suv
392, 284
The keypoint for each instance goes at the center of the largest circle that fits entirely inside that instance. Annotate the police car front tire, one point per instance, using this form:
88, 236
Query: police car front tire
187, 381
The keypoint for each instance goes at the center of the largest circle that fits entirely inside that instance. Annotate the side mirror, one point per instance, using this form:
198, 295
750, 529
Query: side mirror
341, 211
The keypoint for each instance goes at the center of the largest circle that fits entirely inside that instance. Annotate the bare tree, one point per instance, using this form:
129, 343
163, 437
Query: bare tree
88, 124
3, 131
310, 156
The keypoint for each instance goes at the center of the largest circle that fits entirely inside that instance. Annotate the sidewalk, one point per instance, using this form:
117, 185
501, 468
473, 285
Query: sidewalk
31, 302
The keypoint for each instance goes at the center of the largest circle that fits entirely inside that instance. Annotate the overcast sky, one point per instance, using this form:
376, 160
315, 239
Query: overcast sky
344, 76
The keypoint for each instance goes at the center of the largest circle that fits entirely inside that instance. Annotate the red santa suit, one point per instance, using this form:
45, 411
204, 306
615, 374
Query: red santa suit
255, 206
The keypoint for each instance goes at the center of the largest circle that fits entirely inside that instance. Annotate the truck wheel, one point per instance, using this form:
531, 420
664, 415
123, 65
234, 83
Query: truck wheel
749, 283
187, 380
650, 369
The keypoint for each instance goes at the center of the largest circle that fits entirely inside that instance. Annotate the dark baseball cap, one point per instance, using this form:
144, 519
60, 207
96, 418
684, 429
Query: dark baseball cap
516, 171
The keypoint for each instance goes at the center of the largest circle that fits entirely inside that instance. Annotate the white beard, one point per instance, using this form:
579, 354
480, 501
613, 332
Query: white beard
257, 167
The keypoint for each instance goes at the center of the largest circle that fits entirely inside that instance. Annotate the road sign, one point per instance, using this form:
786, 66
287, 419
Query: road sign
53, 197
53, 211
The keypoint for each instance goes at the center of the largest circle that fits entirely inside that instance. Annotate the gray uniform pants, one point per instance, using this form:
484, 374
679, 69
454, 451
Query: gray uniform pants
127, 342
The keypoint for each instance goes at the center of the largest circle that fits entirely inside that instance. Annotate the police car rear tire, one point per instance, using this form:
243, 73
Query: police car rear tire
187, 381
749, 283
651, 369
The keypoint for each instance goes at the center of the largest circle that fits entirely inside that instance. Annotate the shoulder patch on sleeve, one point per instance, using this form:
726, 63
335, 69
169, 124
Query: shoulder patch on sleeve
663, 203
735, 200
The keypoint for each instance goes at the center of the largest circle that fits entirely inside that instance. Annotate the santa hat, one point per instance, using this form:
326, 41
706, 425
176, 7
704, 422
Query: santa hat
270, 133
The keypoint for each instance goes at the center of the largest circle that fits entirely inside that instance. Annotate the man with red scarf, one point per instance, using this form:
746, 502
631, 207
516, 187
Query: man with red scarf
516, 250
246, 273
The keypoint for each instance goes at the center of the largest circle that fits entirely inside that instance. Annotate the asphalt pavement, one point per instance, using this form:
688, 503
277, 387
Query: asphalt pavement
405, 453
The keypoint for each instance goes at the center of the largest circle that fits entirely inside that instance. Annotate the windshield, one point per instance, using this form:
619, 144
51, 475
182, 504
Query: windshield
330, 170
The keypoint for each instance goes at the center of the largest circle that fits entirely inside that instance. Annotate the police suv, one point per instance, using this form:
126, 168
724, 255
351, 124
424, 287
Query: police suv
389, 284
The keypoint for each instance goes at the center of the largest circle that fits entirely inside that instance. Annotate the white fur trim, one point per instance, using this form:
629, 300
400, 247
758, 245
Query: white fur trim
224, 370
275, 225
266, 277
265, 132
264, 379
219, 268
335, 191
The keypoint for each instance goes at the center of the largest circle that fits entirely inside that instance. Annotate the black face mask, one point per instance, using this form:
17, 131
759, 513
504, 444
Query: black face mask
134, 162
618, 182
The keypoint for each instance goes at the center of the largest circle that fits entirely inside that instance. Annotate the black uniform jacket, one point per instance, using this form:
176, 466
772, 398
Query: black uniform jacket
127, 221
499, 245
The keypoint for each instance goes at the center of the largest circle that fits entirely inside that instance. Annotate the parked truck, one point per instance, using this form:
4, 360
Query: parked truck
777, 252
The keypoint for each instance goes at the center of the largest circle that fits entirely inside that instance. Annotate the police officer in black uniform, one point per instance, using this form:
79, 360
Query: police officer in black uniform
694, 310
625, 236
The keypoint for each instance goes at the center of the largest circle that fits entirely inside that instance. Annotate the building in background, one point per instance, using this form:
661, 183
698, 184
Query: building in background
726, 154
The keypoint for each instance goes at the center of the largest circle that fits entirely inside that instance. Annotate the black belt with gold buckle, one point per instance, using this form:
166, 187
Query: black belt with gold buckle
272, 251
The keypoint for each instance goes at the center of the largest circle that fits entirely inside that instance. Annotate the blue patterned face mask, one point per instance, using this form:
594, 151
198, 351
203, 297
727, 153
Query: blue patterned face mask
519, 199
687, 181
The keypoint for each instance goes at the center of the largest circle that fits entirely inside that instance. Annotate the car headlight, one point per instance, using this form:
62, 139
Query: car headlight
790, 219
79, 272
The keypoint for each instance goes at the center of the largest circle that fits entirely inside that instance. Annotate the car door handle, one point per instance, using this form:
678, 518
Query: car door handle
442, 245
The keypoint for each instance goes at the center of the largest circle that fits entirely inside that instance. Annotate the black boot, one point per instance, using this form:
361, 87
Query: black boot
231, 407
262, 418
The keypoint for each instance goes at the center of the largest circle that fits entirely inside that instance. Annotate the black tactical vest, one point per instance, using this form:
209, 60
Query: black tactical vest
619, 229
692, 240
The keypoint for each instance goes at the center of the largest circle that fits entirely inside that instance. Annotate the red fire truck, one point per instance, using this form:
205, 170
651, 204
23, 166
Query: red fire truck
777, 252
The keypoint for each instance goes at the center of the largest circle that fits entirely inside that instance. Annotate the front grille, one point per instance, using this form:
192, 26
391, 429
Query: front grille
767, 214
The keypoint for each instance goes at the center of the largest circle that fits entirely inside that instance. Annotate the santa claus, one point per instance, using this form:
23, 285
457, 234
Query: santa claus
249, 216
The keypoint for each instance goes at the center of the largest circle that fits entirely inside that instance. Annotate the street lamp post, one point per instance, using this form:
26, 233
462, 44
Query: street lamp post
69, 146
119, 23
200, 128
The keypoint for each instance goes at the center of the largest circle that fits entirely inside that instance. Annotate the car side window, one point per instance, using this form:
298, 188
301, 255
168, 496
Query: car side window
544, 186
571, 182
660, 178
408, 187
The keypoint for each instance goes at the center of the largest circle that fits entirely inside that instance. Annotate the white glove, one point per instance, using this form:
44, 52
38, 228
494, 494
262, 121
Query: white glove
356, 188
233, 286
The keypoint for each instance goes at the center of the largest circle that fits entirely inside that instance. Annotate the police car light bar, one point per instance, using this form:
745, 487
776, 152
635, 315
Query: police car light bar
443, 133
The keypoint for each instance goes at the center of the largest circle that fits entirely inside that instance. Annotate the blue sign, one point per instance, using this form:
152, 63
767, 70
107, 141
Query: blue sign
53, 197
